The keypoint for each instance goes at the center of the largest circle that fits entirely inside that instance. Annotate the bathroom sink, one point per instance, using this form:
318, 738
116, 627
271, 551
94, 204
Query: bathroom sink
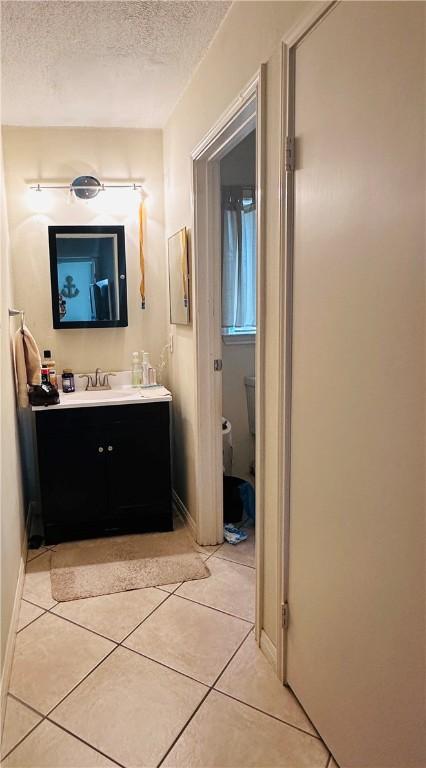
121, 395
104, 394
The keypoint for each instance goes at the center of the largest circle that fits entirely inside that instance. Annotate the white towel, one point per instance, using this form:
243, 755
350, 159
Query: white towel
27, 364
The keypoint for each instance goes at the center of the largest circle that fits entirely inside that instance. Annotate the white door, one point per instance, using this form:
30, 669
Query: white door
356, 638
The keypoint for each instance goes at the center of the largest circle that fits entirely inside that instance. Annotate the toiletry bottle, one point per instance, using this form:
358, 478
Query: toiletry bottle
46, 394
68, 380
51, 366
145, 369
45, 380
136, 370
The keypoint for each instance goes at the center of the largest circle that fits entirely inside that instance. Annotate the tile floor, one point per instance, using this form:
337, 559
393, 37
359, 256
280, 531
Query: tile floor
166, 676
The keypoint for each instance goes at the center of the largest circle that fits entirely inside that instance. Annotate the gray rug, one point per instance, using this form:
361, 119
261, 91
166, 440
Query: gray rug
117, 564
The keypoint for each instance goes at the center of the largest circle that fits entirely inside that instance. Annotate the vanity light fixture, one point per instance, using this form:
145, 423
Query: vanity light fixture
86, 187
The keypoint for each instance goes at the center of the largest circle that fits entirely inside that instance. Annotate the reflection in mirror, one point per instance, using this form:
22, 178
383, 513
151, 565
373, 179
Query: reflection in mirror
179, 278
88, 277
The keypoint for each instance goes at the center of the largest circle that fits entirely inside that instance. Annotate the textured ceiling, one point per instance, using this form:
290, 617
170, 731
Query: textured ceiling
100, 63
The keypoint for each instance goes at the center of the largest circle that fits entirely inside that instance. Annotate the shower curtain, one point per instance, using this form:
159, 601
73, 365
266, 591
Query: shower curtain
239, 262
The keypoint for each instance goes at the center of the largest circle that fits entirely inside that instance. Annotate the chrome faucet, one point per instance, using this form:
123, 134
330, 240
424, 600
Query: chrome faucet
97, 381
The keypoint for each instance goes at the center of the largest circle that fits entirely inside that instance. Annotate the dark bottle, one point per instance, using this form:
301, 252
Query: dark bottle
68, 380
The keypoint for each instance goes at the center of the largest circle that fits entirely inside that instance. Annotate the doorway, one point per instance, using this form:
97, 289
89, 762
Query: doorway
238, 330
220, 324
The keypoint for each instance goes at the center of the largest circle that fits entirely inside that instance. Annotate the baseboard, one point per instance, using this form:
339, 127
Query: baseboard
183, 512
11, 637
268, 648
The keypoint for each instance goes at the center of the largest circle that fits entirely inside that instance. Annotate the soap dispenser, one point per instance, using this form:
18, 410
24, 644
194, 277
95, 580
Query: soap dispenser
136, 370
145, 369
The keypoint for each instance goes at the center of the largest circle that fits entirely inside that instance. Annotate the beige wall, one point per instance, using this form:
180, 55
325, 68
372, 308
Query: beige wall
12, 516
248, 37
62, 154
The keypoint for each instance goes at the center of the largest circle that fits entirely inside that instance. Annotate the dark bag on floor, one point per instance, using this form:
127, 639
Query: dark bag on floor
232, 503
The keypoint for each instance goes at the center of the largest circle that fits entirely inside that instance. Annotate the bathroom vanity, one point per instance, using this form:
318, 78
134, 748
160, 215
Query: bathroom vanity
104, 463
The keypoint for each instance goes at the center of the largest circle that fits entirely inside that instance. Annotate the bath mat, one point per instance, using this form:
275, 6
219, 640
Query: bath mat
117, 564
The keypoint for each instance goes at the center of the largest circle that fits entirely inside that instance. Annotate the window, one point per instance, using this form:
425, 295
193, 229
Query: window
238, 261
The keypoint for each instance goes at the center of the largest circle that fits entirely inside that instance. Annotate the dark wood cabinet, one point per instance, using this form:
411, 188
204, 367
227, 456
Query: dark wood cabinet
104, 470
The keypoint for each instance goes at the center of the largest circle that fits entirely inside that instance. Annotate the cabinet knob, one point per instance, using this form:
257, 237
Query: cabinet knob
100, 449
110, 448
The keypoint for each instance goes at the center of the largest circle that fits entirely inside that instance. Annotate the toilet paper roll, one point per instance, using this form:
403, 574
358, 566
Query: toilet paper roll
227, 446
226, 427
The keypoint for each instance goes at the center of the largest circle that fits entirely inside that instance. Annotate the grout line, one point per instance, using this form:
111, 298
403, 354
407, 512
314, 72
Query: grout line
289, 688
268, 714
168, 594
207, 558
25, 600
3, 757
236, 562
43, 608
211, 688
43, 718
200, 552
32, 620
182, 729
29, 706
81, 626
80, 681
232, 657
39, 554
166, 590
219, 610
88, 744
166, 666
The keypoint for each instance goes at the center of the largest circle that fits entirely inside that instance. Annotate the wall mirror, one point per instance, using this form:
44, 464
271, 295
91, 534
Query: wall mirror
88, 276
179, 278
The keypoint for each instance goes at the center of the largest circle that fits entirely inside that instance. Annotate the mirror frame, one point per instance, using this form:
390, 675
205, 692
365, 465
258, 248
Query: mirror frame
121, 270
182, 276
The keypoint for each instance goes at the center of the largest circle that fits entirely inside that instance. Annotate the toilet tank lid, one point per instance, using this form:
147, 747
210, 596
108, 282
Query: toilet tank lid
250, 381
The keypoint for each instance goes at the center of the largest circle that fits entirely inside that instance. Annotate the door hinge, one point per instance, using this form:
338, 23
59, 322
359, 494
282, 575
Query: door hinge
284, 615
290, 153
217, 366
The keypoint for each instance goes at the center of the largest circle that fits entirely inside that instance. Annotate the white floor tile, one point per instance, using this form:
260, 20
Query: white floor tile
203, 639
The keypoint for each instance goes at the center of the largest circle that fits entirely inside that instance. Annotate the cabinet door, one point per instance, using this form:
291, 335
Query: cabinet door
138, 460
72, 468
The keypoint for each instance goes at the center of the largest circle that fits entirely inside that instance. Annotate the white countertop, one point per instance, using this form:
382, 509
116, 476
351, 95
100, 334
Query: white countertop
121, 393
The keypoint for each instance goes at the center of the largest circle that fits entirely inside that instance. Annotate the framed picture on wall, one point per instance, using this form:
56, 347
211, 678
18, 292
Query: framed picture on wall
179, 277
